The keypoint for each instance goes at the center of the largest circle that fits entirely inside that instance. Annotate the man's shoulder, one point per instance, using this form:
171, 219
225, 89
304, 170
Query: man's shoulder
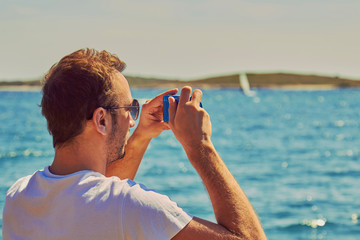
19, 185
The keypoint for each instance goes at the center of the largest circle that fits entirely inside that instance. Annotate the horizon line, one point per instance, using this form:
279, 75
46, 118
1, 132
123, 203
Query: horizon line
204, 76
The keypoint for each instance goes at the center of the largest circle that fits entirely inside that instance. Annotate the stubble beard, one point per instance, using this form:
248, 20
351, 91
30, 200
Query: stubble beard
114, 150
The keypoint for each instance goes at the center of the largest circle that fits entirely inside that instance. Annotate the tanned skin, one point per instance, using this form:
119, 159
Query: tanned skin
236, 219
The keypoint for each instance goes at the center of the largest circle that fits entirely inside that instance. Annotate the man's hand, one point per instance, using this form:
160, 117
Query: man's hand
151, 118
189, 122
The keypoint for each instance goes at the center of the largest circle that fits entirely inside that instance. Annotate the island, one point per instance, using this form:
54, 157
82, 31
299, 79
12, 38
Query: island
255, 80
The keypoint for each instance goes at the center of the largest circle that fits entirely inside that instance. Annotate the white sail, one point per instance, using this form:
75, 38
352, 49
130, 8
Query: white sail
245, 86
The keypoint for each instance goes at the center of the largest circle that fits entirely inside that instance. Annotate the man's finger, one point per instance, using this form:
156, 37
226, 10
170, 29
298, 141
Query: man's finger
185, 95
172, 110
159, 98
165, 126
196, 97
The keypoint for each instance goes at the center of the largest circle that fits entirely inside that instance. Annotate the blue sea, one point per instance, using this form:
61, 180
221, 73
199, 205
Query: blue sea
296, 154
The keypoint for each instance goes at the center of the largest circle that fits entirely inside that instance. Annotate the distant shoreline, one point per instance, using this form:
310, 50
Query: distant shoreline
284, 88
22, 88
284, 81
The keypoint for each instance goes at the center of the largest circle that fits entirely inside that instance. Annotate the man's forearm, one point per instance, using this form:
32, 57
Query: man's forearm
128, 166
231, 206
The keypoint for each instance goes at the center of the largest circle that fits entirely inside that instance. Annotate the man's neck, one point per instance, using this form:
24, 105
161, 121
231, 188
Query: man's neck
77, 157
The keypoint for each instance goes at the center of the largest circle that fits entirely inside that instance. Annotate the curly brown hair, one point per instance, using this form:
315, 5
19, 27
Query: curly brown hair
74, 87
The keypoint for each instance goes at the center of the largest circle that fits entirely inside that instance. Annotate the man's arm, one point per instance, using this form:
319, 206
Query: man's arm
235, 216
150, 126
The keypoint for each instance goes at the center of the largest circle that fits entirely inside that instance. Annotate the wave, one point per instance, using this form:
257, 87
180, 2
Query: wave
308, 224
344, 173
320, 224
25, 153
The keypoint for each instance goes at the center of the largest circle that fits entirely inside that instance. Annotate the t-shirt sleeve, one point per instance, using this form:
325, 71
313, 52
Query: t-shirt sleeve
146, 214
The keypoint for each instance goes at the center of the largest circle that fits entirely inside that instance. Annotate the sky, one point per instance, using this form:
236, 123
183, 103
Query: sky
184, 39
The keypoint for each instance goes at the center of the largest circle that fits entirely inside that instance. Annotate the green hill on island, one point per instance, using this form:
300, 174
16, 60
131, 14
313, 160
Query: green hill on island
256, 80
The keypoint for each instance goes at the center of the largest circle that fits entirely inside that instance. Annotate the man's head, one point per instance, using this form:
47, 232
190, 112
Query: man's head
76, 86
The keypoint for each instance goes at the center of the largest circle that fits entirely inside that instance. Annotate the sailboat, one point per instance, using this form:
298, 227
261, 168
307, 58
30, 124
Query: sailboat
245, 86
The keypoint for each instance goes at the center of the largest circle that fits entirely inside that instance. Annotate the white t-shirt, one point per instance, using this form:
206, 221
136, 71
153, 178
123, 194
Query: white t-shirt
88, 205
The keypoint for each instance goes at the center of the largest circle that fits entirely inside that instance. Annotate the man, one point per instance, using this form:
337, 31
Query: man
88, 193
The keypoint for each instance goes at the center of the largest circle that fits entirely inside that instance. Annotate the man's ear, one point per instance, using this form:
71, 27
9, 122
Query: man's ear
101, 119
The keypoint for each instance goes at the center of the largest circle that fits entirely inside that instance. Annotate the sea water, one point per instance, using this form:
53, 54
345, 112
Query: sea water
295, 154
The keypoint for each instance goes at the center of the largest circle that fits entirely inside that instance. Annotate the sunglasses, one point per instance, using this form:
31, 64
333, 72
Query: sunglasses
134, 109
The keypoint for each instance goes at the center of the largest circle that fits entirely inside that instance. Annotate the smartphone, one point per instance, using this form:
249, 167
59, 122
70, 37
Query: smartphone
166, 106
